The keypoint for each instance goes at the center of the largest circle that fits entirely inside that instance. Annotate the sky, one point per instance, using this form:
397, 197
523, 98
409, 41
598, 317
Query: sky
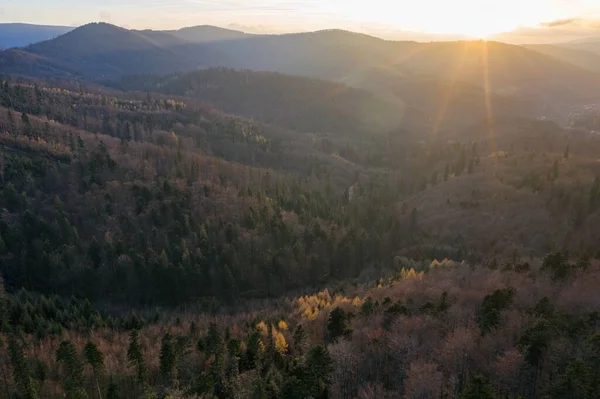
548, 19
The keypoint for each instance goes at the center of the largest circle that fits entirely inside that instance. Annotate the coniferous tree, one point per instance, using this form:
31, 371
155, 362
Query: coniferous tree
217, 373
319, 367
135, 357
577, 382
21, 373
27, 126
72, 369
254, 351
299, 340
113, 389
167, 360
337, 324
492, 305
479, 388
269, 345
95, 359
213, 341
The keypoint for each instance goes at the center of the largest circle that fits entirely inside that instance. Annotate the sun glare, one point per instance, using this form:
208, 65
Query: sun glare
473, 18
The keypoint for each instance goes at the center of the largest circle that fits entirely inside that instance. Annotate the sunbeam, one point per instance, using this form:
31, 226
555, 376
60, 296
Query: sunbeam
446, 98
488, 100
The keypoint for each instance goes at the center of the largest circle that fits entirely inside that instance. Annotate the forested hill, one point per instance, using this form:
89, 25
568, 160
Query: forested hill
152, 246
95, 179
104, 50
121, 202
300, 104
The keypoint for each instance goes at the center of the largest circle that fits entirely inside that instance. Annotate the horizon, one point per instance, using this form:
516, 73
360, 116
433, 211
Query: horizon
540, 21
515, 37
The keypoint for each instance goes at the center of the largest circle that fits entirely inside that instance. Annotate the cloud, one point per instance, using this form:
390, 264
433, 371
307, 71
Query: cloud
558, 31
578, 23
562, 22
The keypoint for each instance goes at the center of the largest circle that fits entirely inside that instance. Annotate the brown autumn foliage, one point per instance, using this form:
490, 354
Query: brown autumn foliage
427, 351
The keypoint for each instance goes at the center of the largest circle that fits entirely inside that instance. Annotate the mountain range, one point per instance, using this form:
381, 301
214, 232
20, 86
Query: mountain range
549, 79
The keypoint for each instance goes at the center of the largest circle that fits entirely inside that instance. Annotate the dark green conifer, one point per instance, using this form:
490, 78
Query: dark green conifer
72, 370
21, 373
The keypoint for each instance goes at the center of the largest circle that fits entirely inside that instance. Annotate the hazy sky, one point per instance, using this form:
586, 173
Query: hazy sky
457, 17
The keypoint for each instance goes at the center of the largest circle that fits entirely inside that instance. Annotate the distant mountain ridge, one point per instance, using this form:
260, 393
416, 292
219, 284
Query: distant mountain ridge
207, 33
583, 58
20, 35
591, 44
104, 51
101, 50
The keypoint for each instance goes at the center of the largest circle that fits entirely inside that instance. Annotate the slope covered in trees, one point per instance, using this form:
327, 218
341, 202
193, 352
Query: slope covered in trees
151, 246
300, 104
135, 198
434, 329
87, 176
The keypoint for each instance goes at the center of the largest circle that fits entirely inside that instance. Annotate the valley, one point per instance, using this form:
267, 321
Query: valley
204, 213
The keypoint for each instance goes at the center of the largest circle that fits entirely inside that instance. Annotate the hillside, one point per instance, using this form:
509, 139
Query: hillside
153, 246
518, 329
102, 50
366, 61
449, 106
591, 44
413, 195
110, 170
296, 103
423, 106
331, 55
21, 35
23, 63
506, 69
582, 58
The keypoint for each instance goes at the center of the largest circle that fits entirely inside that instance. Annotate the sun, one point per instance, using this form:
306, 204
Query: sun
483, 31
